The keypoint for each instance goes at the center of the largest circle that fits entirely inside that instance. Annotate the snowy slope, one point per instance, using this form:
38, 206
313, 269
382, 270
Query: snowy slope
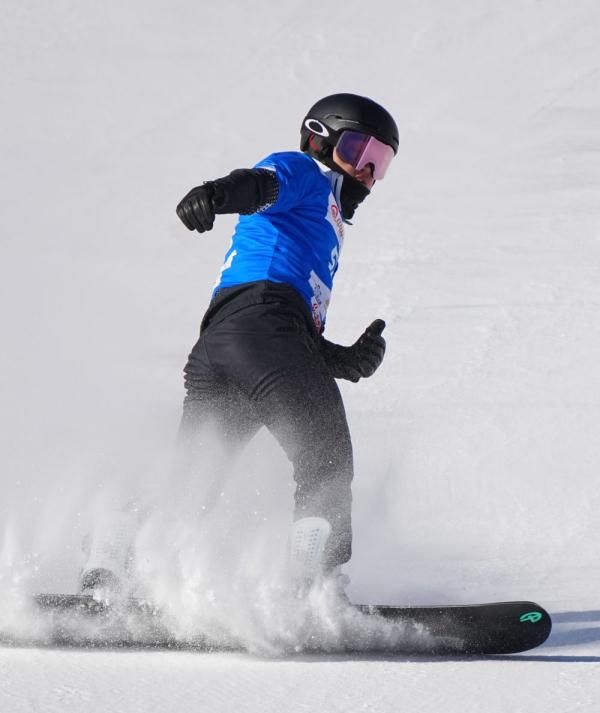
476, 443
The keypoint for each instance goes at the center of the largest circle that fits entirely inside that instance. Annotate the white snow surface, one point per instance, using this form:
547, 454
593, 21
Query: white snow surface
476, 443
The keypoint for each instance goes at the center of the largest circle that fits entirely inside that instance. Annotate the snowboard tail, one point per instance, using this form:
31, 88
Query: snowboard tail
496, 628
477, 629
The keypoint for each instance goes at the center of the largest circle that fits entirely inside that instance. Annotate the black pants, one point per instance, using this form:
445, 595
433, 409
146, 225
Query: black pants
257, 362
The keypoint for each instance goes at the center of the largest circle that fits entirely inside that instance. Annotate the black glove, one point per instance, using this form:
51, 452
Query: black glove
244, 191
197, 209
359, 360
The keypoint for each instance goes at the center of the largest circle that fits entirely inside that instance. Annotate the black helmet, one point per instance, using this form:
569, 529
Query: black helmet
331, 115
323, 130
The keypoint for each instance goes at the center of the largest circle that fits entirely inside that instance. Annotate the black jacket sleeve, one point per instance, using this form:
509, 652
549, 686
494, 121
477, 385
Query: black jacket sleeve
245, 191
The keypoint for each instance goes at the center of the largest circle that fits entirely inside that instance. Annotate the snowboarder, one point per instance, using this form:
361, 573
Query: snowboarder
261, 358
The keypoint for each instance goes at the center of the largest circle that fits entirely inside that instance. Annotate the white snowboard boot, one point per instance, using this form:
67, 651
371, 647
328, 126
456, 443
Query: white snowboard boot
106, 574
308, 538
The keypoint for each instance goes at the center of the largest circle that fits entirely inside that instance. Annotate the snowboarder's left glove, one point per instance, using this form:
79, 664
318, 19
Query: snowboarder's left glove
361, 359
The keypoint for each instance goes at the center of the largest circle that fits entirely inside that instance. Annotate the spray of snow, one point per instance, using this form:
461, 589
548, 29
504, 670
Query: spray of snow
208, 552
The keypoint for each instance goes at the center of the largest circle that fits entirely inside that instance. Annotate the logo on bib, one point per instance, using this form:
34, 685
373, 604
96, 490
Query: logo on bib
335, 219
321, 296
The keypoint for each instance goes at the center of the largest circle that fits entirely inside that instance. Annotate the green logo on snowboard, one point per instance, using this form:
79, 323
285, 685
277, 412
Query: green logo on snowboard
532, 616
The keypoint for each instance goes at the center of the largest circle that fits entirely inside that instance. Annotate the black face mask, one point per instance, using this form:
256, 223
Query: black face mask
352, 194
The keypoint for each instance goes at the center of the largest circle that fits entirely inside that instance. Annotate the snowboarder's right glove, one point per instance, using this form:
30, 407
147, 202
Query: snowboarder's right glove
197, 209
244, 191
361, 359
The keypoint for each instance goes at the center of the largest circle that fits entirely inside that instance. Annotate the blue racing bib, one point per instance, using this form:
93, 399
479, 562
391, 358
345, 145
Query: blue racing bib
297, 240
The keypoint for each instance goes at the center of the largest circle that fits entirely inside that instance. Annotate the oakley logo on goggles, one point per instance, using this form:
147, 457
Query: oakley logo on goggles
359, 150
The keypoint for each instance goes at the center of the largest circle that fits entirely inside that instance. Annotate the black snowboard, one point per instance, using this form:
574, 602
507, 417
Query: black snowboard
498, 628
478, 629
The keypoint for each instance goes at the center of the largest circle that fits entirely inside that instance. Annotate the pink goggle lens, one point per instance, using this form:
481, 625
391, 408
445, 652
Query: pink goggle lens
361, 149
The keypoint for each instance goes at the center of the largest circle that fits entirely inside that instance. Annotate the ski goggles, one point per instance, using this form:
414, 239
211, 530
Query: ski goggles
359, 150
